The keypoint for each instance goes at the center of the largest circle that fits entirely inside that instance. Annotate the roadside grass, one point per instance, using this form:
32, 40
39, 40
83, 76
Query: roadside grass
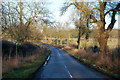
95, 67
93, 61
27, 70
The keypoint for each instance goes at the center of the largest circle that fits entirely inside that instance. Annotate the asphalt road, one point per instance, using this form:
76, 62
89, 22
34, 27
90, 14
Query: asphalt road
61, 65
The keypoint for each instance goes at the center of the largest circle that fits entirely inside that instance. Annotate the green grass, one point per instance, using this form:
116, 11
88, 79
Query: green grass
27, 70
112, 42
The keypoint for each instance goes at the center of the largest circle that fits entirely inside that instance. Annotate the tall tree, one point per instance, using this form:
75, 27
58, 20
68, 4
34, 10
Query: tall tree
82, 17
81, 30
103, 11
18, 18
99, 18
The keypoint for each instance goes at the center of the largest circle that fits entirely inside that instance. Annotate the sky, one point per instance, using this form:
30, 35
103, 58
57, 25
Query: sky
55, 5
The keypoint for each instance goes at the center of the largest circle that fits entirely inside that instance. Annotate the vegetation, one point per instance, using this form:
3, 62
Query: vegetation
102, 11
29, 58
25, 23
107, 64
22, 21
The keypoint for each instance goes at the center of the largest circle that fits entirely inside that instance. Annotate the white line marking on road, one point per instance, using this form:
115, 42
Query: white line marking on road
70, 74
68, 71
66, 68
48, 58
45, 63
58, 53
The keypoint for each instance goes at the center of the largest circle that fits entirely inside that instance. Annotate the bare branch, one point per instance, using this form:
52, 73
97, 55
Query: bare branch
111, 10
96, 8
110, 27
93, 18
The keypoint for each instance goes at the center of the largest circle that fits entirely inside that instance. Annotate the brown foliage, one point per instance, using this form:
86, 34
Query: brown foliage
109, 61
26, 53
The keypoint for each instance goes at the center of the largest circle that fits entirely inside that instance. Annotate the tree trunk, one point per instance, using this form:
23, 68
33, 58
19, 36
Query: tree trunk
79, 44
103, 42
45, 38
57, 41
21, 13
86, 45
79, 39
61, 41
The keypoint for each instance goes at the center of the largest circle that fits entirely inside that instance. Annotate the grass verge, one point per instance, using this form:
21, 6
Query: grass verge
95, 67
28, 69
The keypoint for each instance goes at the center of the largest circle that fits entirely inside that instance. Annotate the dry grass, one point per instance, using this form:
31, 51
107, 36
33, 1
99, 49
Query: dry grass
8, 65
14, 62
109, 61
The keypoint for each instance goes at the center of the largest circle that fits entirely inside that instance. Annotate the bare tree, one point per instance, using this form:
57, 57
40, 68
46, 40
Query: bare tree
103, 10
18, 18
82, 17
81, 29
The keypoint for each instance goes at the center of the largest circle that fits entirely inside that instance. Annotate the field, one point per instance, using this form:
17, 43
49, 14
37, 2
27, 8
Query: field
108, 61
112, 42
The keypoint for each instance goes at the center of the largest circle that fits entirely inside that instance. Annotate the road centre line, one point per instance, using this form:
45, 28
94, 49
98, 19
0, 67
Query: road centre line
68, 71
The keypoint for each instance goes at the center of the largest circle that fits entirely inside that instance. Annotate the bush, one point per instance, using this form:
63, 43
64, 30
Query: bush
26, 53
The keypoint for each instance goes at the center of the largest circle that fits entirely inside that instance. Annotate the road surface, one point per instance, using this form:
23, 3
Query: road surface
61, 65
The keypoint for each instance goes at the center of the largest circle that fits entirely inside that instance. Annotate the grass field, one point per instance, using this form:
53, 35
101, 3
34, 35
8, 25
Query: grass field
112, 42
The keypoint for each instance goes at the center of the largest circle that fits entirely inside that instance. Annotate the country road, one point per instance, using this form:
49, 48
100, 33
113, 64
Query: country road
61, 65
